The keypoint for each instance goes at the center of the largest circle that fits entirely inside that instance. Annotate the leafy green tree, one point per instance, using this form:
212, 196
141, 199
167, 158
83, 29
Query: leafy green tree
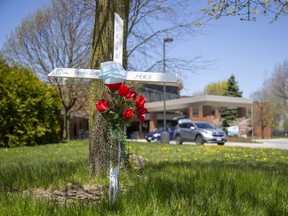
56, 36
232, 88
217, 88
230, 115
29, 109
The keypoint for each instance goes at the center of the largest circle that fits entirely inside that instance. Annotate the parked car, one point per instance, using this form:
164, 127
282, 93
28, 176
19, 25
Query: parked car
198, 132
156, 134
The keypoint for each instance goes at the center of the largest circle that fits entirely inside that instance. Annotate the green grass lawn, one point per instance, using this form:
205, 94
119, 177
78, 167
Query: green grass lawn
177, 180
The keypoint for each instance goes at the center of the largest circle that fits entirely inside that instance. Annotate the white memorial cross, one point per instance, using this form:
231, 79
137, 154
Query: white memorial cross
135, 76
138, 76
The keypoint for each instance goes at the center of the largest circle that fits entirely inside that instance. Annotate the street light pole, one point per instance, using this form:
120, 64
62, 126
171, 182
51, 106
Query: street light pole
165, 40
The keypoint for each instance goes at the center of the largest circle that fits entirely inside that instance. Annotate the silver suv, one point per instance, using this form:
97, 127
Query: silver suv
198, 132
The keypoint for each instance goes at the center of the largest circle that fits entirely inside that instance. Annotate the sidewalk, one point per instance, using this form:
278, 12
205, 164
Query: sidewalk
281, 143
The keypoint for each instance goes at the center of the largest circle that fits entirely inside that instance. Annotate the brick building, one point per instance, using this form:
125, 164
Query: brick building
198, 108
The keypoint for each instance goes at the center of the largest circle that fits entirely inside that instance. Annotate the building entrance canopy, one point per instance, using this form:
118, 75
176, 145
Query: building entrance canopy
181, 104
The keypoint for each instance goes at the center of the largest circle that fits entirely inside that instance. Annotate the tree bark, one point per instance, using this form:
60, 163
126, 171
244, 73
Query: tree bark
65, 121
103, 51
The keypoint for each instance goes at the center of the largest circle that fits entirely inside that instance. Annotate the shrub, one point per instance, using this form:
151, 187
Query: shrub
29, 108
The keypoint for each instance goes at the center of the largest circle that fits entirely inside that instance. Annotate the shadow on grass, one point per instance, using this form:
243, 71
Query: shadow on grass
22, 176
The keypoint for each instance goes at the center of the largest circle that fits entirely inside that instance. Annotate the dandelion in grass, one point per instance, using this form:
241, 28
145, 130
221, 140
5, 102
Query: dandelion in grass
130, 149
164, 149
178, 150
226, 155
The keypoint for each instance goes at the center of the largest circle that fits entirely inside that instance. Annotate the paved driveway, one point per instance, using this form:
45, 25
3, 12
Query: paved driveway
281, 143
265, 143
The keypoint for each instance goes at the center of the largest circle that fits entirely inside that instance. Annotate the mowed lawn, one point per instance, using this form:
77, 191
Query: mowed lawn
177, 180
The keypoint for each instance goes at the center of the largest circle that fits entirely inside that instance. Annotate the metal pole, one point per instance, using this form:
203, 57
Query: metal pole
252, 123
165, 134
164, 84
166, 40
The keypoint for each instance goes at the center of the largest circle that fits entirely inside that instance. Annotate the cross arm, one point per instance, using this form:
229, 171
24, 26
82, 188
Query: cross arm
171, 79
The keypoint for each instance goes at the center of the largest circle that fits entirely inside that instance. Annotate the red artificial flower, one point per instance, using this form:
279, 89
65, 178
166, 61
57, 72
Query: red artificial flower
142, 110
102, 105
128, 113
114, 86
126, 100
141, 118
131, 94
140, 101
123, 90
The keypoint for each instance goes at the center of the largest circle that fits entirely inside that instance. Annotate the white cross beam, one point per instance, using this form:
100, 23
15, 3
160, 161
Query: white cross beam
171, 79
136, 76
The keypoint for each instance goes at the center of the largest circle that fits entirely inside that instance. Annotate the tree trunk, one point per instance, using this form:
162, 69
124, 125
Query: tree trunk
65, 119
68, 127
103, 51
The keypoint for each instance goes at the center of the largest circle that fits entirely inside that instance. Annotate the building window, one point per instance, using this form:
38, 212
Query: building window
213, 113
207, 111
195, 111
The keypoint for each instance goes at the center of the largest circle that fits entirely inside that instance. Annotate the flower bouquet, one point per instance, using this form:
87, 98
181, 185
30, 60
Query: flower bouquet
118, 106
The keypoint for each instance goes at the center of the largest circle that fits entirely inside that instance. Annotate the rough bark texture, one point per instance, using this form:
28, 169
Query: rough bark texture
103, 51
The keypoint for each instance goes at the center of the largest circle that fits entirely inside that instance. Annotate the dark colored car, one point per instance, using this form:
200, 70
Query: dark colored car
198, 132
156, 134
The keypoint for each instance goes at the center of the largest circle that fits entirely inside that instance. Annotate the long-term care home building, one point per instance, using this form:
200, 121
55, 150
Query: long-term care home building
197, 108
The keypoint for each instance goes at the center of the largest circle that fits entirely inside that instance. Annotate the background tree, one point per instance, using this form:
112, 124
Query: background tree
56, 36
151, 21
277, 95
29, 109
217, 88
247, 10
280, 81
229, 116
232, 88
261, 112
273, 92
